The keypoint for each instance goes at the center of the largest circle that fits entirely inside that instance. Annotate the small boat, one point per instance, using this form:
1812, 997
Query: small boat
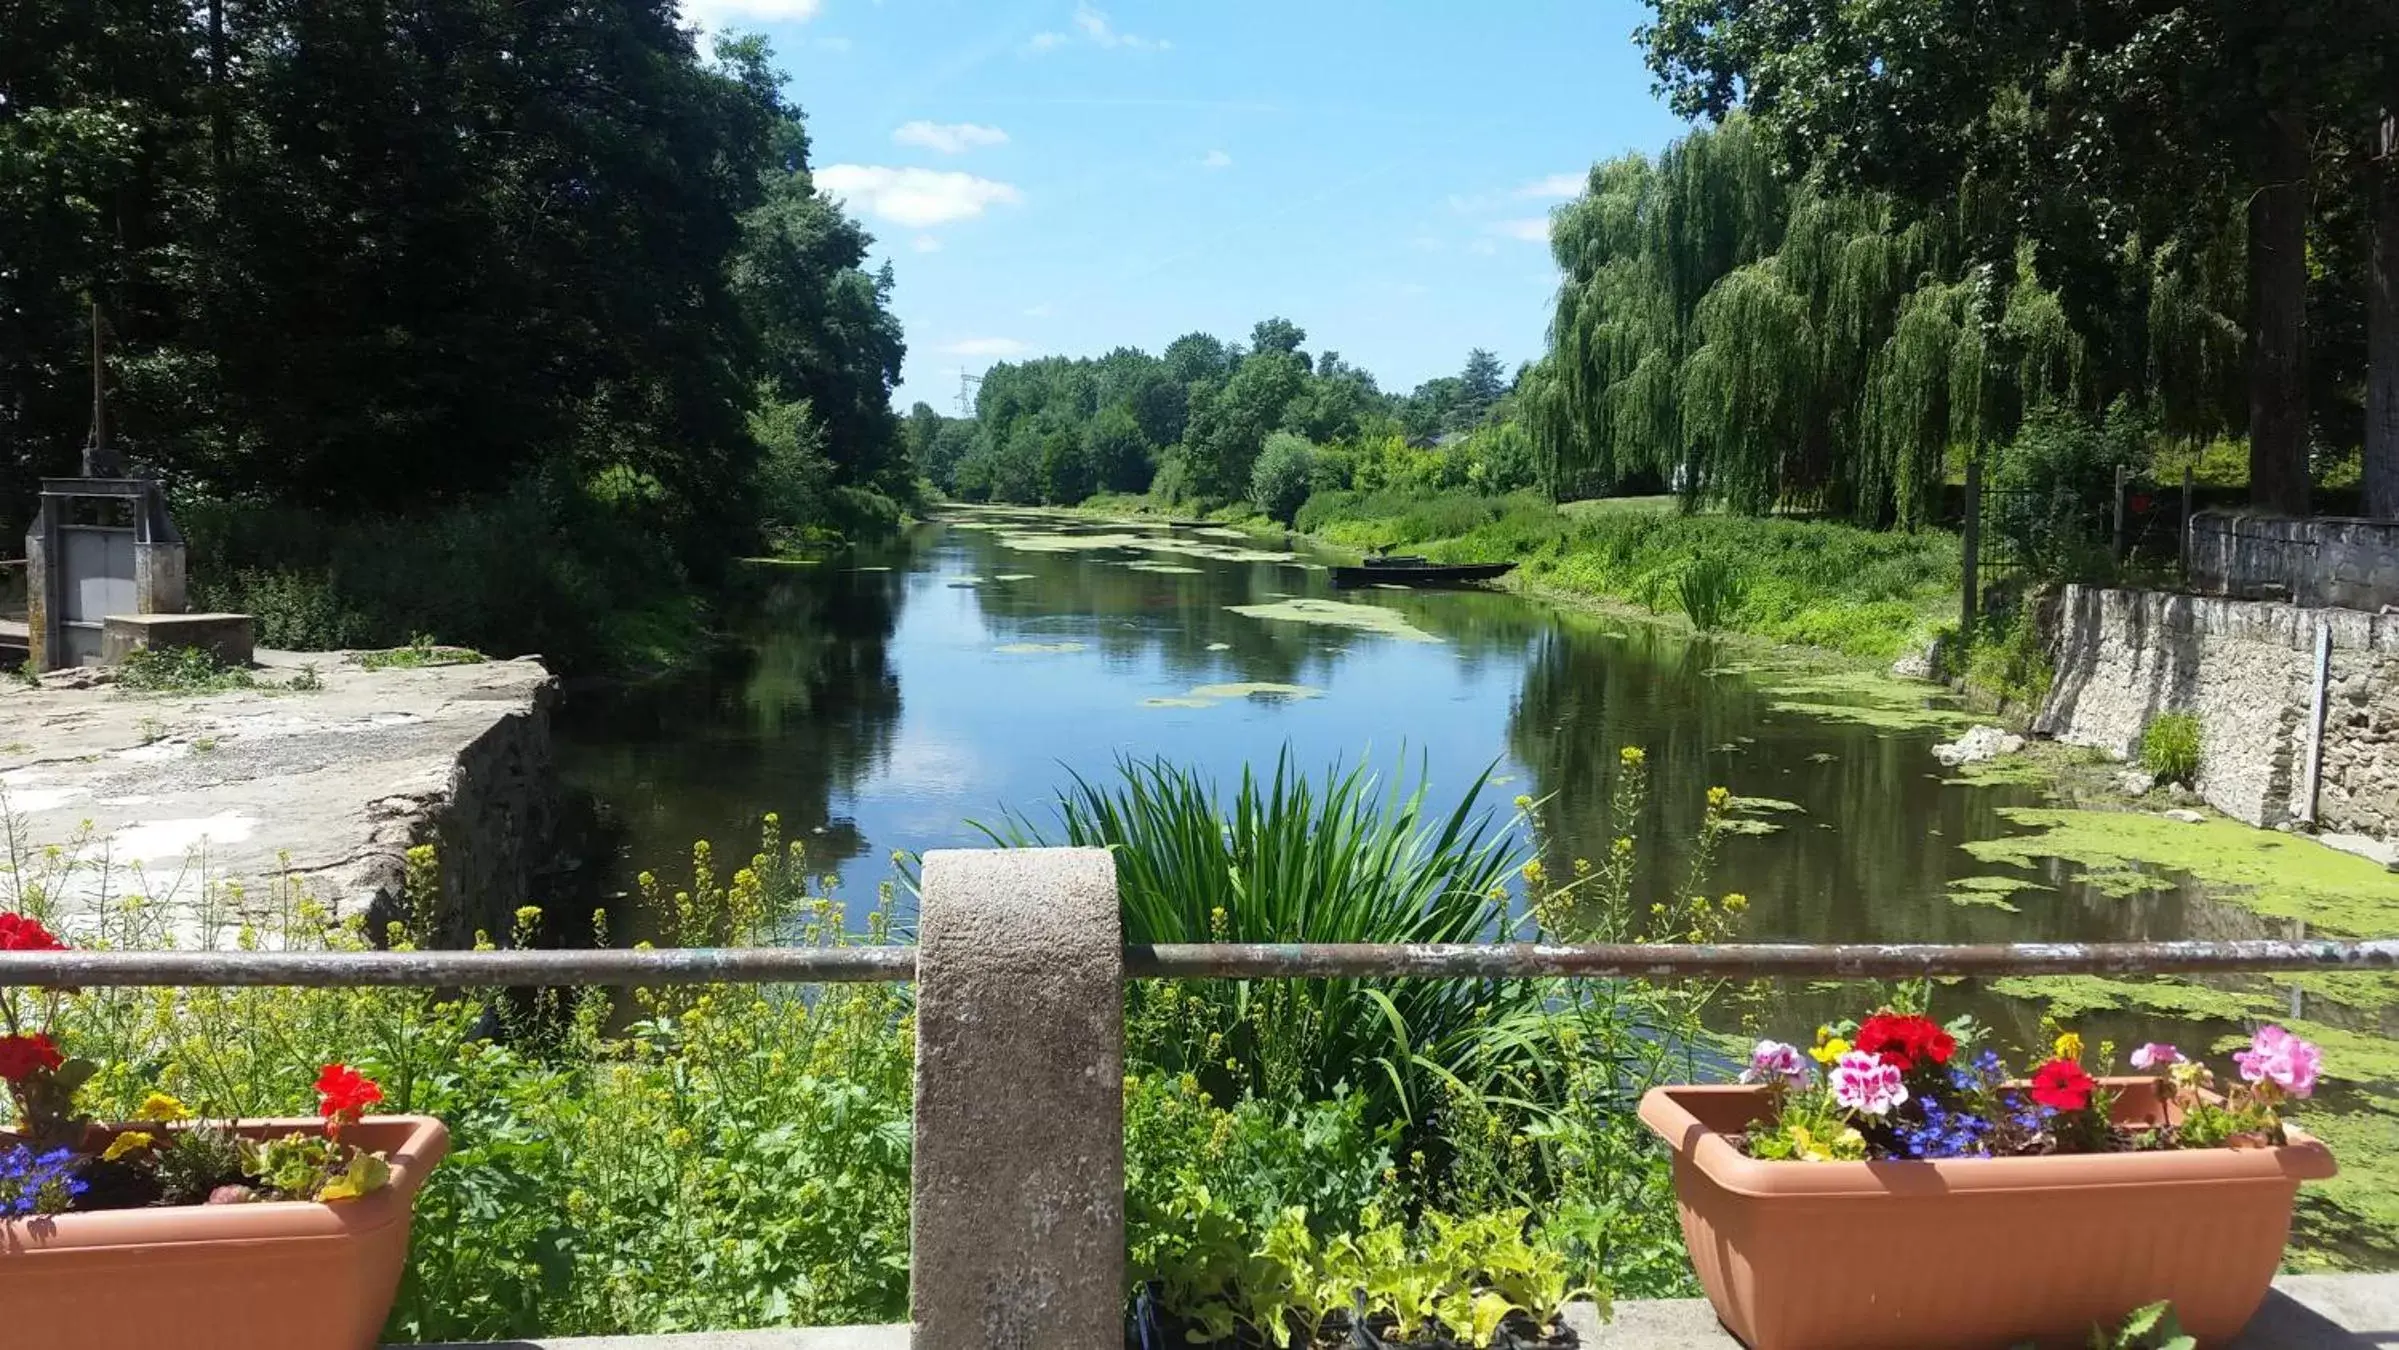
1418, 572
1397, 560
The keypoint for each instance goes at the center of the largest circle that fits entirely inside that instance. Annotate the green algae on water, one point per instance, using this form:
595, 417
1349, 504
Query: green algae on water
2005, 771
1209, 695
1172, 569
1038, 648
2284, 876
1338, 614
1067, 543
1014, 576
1991, 892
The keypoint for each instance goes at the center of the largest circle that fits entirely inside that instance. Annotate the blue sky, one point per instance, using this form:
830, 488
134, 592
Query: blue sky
1047, 176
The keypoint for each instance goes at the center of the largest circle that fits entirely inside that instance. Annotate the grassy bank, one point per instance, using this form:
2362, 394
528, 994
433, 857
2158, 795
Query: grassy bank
1865, 593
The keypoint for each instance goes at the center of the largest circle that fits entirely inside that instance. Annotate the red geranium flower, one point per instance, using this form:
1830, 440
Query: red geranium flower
343, 1093
20, 934
22, 1056
1903, 1042
2062, 1085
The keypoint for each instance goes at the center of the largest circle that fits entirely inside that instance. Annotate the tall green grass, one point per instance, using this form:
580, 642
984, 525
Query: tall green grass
1711, 588
1345, 857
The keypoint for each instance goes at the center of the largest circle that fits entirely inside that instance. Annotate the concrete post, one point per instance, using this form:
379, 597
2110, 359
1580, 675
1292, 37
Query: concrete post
1018, 1236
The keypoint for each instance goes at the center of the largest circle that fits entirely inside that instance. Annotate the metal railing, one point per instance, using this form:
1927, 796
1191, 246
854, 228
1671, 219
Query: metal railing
625, 967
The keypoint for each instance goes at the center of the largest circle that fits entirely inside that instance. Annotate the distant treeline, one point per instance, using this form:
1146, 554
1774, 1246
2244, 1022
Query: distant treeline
1194, 424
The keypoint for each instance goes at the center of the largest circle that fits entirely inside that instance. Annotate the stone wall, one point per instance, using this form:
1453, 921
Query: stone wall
2307, 560
2246, 668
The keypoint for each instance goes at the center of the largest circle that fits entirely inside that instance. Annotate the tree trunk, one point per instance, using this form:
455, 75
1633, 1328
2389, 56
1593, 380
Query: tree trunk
2382, 326
2278, 424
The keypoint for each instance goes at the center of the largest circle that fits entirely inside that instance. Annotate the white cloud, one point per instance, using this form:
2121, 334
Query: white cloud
1531, 229
717, 13
1216, 159
949, 138
1092, 26
925, 243
915, 198
991, 346
1555, 187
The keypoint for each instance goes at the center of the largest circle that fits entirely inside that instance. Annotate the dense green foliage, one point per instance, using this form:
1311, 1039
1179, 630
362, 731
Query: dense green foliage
355, 265
1194, 425
2171, 200
1763, 342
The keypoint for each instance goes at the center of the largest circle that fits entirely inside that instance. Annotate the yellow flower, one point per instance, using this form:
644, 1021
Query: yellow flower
131, 1141
1829, 1051
163, 1109
1719, 798
678, 1139
2069, 1046
1631, 755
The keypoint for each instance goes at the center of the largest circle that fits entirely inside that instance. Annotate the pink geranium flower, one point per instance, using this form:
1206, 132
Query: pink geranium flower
2156, 1055
2278, 1057
1868, 1085
1776, 1063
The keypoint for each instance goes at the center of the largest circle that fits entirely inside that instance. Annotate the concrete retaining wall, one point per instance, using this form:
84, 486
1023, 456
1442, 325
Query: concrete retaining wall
2319, 560
2247, 669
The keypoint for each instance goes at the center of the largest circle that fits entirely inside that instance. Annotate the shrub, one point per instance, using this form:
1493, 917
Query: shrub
1281, 479
2050, 497
550, 565
2170, 748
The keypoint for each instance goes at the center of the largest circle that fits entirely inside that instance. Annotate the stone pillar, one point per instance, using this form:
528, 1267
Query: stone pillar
1018, 1240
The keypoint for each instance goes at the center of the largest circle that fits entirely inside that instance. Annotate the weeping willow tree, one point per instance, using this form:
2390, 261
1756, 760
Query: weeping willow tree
1784, 345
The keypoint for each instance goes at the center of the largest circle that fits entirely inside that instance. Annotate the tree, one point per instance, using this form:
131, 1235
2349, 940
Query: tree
1117, 451
1229, 424
1279, 482
1196, 356
2128, 113
1480, 386
1277, 335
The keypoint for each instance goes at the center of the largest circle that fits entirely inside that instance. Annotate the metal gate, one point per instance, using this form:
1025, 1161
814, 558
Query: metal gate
99, 582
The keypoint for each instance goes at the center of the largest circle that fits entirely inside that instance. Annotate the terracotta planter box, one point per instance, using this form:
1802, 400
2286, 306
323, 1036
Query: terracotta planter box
1973, 1252
273, 1276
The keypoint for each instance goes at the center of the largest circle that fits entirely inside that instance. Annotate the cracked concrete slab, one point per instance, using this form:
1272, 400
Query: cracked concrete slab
331, 786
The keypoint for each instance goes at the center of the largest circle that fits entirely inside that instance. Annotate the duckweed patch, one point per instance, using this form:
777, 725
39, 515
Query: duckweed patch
1175, 569
1338, 614
2280, 875
1209, 695
2005, 771
2070, 998
1067, 543
1038, 648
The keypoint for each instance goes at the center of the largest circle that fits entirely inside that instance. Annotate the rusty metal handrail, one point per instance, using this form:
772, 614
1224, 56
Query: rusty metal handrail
1509, 960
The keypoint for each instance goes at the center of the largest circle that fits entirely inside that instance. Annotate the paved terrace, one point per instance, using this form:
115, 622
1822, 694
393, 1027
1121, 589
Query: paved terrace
2307, 1312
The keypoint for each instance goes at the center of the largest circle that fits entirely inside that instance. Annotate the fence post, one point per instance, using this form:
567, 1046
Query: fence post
1970, 556
1018, 1238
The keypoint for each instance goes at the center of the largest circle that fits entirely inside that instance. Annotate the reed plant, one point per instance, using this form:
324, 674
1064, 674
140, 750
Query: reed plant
1348, 856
